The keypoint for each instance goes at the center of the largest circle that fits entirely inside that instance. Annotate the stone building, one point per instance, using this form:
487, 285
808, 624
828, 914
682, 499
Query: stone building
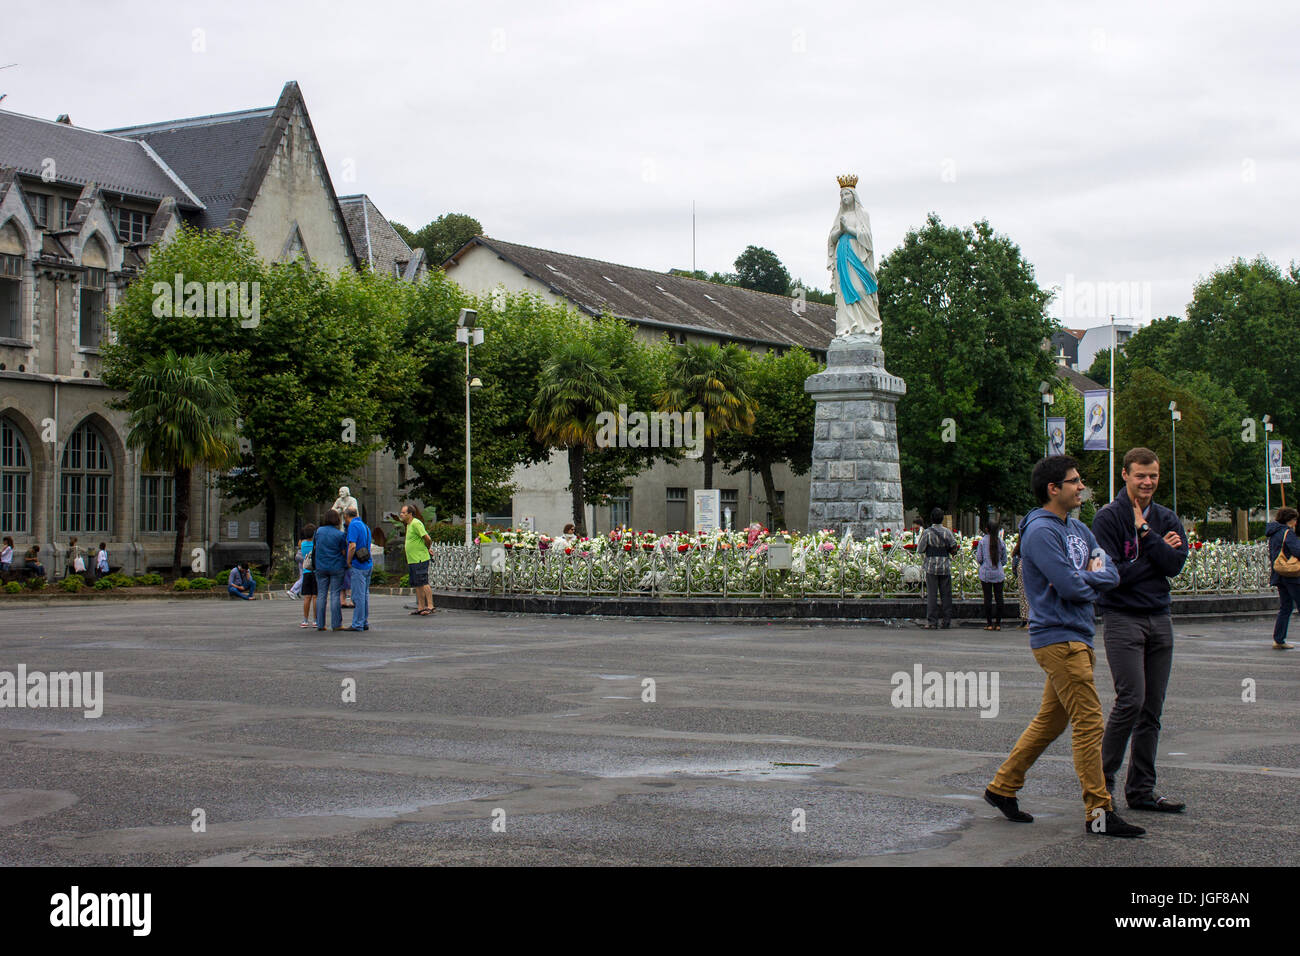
656, 304
79, 211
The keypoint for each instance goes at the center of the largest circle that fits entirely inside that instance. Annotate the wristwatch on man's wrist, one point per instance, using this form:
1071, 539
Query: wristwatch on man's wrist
1143, 528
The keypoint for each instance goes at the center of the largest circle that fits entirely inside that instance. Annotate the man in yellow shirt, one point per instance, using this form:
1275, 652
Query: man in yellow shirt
418, 548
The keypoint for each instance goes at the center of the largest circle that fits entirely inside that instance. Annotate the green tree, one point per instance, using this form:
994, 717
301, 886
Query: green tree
715, 381
441, 238
760, 269
315, 371
783, 423
964, 324
182, 417
577, 384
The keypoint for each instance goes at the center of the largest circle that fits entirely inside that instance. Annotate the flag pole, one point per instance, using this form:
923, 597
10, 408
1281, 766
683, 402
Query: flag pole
1111, 416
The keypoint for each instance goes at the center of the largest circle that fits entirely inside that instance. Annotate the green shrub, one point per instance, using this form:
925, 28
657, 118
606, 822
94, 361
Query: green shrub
180, 584
263, 584
105, 584
12, 587
119, 579
72, 583
1222, 530
148, 580
37, 583
202, 584
405, 581
445, 533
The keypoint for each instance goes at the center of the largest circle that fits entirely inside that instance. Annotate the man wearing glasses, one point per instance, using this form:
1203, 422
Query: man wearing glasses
1063, 573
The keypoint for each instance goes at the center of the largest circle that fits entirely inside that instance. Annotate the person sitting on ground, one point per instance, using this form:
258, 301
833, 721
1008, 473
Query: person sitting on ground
32, 560
241, 584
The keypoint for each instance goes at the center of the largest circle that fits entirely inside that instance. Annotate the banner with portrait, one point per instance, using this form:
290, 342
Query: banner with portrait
1096, 420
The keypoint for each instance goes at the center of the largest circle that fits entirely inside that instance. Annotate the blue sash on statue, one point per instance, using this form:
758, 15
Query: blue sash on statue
846, 259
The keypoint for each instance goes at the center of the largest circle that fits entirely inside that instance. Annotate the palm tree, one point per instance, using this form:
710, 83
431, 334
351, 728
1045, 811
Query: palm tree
182, 416
577, 383
715, 381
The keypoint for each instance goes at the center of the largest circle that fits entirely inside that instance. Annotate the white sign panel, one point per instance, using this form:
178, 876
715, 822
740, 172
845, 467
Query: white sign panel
1282, 475
232, 529
254, 527
708, 505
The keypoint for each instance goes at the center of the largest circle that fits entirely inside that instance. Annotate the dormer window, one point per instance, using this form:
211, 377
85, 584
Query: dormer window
65, 212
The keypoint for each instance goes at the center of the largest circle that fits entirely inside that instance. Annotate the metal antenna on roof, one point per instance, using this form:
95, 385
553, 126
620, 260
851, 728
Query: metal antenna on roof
692, 236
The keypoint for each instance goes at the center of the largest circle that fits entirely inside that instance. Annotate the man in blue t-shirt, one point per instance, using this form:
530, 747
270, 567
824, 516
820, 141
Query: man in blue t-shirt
359, 540
1064, 572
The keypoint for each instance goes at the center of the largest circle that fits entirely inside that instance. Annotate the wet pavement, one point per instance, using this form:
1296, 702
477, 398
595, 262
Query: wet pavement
477, 738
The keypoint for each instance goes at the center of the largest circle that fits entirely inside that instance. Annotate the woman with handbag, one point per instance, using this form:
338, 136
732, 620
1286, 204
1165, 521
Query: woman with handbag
76, 558
1284, 556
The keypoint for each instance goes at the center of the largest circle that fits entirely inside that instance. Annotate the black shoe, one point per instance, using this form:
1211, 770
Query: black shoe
1157, 804
1112, 826
1009, 806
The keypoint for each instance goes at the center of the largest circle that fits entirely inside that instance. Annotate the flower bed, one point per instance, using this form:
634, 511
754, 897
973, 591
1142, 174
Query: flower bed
736, 564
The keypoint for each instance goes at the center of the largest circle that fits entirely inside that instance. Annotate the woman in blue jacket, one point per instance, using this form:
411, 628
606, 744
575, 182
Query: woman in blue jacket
1281, 533
328, 550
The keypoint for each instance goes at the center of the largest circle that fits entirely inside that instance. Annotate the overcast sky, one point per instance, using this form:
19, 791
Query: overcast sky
1128, 148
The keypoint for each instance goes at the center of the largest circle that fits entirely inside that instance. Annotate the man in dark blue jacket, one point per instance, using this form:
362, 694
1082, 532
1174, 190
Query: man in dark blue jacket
1146, 541
1064, 573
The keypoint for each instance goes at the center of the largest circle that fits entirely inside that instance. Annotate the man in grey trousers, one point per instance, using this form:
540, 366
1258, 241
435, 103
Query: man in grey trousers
937, 545
1148, 545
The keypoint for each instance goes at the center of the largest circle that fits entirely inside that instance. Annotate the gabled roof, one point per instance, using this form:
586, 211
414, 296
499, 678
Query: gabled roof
1079, 382
226, 156
667, 301
373, 237
212, 154
82, 156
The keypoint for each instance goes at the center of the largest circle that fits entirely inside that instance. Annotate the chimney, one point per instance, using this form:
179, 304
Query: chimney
64, 119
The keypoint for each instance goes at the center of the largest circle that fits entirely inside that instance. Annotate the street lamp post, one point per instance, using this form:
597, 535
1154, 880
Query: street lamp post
1268, 467
467, 334
1048, 399
1175, 416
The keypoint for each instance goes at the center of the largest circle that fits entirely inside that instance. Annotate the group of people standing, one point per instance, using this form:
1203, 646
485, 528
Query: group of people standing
334, 556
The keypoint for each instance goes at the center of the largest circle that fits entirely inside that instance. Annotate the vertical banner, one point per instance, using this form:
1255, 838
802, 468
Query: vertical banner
1056, 436
1096, 421
1274, 459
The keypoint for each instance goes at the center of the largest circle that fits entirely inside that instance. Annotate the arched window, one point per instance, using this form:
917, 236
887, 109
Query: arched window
86, 483
15, 480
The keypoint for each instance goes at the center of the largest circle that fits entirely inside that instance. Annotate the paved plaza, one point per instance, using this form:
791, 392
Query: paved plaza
480, 738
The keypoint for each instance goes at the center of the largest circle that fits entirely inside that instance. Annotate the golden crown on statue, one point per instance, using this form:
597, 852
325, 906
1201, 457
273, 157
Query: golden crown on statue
847, 181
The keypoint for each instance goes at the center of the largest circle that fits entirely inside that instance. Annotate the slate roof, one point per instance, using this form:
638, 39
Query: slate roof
83, 156
667, 301
1081, 383
374, 238
212, 154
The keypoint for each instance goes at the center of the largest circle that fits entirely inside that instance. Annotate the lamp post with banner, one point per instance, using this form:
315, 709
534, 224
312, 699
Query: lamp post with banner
1175, 416
468, 335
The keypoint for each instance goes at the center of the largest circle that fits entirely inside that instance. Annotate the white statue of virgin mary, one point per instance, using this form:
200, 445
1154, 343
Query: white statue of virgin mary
851, 257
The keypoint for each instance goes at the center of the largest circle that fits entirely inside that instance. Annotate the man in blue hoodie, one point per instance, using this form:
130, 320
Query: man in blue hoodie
1148, 545
1064, 572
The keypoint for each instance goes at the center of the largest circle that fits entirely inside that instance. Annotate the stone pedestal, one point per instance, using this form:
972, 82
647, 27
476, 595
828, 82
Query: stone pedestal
855, 479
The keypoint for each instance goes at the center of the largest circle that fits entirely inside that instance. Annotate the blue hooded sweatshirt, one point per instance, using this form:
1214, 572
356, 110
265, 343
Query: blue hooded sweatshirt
1055, 554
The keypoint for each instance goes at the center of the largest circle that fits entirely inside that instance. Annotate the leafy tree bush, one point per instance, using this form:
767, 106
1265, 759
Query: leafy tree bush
12, 587
72, 583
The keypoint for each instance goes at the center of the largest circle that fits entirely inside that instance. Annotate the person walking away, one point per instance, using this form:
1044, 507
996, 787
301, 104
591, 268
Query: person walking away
990, 555
1281, 533
1148, 545
101, 559
308, 578
7, 554
1021, 597
419, 548
361, 563
342, 503
1064, 572
240, 584
938, 545
328, 550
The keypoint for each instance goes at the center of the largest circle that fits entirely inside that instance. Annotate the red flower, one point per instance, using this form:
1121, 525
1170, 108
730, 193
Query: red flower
568, 551
1197, 545
682, 548
910, 547
886, 546
627, 547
